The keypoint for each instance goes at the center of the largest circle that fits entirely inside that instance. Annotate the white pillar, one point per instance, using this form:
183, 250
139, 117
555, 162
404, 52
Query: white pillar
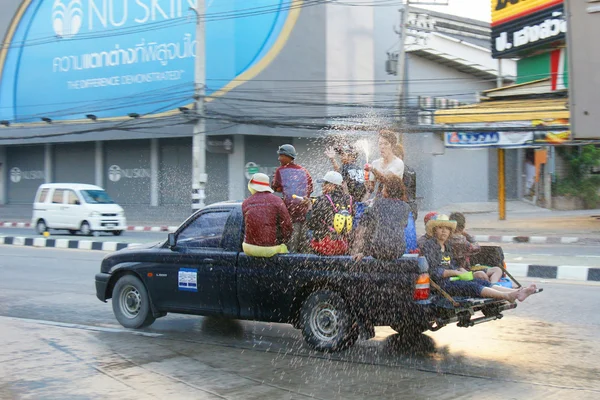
99, 168
154, 157
48, 163
237, 164
3, 174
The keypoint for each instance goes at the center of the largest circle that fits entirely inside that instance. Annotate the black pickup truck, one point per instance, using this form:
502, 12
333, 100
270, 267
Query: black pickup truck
201, 269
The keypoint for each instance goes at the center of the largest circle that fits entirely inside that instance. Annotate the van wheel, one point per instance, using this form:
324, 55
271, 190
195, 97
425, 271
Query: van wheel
41, 227
131, 304
117, 233
85, 229
327, 323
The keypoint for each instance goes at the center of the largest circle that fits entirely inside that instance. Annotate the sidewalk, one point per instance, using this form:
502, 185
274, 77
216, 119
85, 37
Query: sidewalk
524, 222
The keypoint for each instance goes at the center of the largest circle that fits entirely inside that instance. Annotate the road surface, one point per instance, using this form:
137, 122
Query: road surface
59, 341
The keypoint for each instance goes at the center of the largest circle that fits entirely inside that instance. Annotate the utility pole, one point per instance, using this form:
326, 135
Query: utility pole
400, 66
501, 162
199, 176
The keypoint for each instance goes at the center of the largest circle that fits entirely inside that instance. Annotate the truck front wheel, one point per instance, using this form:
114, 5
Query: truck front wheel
131, 304
327, 323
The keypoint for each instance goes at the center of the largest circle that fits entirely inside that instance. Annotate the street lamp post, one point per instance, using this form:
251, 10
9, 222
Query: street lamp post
199, 176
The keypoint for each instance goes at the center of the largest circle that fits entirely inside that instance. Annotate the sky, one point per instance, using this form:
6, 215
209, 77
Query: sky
476, 9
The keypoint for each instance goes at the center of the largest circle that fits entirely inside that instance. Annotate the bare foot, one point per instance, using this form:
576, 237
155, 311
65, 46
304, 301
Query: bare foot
526, 292
512, 296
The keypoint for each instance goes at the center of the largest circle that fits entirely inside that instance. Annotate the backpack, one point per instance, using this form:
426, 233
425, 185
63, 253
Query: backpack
342, 219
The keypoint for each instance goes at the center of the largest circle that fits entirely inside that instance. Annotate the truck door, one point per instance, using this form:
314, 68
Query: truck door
194, 275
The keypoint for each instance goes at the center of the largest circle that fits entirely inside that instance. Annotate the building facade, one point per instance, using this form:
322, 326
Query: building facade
101, 92
449, 63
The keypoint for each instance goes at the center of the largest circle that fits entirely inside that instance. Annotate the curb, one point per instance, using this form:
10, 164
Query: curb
478, 238
129, 228
65, 243
534, 239
569, 272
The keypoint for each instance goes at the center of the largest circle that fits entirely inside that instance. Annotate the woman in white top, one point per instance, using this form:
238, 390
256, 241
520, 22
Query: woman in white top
388, 164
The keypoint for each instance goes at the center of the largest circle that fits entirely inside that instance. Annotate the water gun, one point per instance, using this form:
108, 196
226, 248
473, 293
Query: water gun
467, 276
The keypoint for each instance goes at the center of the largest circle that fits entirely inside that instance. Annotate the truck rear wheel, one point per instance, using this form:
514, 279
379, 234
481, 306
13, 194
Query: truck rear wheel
327, 323
131, 304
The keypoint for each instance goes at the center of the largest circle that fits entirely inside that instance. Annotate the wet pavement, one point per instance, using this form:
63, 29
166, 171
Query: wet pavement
60, 342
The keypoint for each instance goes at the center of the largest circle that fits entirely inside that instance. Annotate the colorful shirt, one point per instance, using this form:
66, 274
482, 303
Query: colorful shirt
292, 179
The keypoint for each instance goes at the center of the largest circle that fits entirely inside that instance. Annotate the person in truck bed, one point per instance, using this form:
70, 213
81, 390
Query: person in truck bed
464, 245
444, 270
381, 230
268, 225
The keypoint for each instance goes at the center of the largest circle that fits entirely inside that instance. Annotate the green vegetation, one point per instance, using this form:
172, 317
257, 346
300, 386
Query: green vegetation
579, 181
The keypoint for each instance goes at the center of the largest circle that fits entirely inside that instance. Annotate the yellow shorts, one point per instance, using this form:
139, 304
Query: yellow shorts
262, 251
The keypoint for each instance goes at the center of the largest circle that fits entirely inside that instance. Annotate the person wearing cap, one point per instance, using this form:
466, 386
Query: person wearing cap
352, 174
267, 222
381, 233
455, 280
331, 217
425, 237
296, 185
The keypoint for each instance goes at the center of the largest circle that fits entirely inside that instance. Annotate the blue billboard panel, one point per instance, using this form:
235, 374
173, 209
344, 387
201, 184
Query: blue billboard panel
63, 59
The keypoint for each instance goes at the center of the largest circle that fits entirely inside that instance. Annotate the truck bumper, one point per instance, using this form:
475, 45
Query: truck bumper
101, 285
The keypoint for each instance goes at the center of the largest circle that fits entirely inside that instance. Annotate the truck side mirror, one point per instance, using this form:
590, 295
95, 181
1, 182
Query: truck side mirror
172, 240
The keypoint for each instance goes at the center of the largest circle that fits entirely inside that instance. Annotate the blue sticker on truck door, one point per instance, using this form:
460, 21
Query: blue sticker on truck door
188, 279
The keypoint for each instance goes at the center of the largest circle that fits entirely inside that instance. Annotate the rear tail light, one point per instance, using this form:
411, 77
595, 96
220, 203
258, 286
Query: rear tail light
422, 287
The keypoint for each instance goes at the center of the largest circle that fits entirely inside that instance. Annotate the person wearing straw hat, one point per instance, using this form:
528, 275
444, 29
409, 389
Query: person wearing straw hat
268, 225
450, 277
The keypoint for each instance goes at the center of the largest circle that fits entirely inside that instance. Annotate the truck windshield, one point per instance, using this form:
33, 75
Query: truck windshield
96, 197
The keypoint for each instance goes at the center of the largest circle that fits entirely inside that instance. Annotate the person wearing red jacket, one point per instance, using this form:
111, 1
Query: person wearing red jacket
267, 222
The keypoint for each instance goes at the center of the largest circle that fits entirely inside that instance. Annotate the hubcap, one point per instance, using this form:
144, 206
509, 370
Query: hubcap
85, 229
130, 301
324, 321
41, 227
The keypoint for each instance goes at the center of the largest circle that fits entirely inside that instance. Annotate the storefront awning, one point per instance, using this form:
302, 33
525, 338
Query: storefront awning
503, 111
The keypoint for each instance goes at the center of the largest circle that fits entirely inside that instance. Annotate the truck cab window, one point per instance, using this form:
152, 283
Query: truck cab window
205, 231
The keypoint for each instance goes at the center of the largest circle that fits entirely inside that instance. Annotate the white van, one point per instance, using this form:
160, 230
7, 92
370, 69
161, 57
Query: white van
76, 207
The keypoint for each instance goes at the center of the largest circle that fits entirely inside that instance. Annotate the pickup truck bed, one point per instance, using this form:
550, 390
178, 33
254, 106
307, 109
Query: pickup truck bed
202, 270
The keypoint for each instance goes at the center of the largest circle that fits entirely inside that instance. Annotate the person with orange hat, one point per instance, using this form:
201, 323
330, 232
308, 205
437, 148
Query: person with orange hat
267, 220
455, 280
425, 237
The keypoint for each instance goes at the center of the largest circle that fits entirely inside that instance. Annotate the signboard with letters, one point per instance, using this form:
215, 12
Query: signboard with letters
111, 58
520, 25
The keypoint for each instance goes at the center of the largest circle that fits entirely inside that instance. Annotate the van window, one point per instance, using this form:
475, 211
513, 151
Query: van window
42, 196
57, 198
72, 198
96, 197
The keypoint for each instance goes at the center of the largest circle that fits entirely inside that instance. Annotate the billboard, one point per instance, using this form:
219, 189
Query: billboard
584, 68
520, 25
63, 59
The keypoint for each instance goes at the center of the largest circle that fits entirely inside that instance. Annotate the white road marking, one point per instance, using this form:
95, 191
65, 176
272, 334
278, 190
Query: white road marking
83, 327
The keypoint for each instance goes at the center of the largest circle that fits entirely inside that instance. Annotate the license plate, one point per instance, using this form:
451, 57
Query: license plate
110, 225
